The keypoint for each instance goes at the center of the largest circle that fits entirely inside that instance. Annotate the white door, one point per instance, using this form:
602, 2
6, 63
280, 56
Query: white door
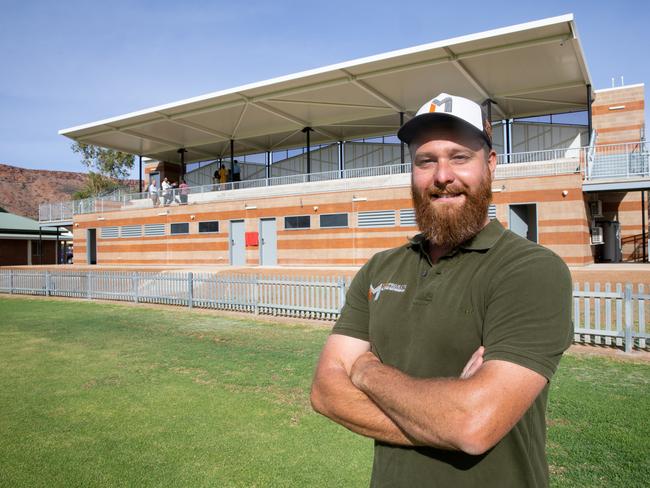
268, 243
237, 243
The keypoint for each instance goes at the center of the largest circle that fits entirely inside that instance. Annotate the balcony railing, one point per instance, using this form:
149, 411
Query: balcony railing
611, 161
615, 161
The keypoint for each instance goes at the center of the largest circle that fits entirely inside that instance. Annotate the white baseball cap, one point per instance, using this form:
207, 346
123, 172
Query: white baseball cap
446, 109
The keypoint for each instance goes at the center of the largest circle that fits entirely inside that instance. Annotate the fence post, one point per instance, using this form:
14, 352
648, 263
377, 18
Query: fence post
341, 287
47, 283
190, 289
134, 281
89, 288
629, 318
11, 281
256, 294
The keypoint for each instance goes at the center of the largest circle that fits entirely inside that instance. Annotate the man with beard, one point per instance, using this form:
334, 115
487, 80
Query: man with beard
395, 367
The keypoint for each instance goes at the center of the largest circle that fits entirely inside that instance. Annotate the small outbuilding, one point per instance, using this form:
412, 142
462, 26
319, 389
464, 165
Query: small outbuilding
24, 242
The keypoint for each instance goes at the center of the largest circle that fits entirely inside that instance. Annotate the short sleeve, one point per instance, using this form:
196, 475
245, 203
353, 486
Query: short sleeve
354, 318
528, 317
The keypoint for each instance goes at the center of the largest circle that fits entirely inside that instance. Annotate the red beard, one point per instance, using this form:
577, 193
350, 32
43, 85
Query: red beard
449, 225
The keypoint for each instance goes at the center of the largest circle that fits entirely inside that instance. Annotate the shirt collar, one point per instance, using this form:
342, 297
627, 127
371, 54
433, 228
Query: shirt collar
484, 240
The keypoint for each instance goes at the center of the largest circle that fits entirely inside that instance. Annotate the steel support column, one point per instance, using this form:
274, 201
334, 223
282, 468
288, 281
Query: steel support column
508, 142
40, 245
57, 245
401, 143
182, 152
341, 160
267, 168
307, 130
589, 121
232, 157
643, 233
140, 173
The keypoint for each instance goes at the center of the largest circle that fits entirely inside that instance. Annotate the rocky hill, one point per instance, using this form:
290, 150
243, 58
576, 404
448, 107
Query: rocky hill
22, 190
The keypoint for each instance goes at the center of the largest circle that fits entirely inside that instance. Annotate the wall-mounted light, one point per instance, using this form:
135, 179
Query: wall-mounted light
565, 193
163, 213
616, 107
359, 199
499, 189
76, 224
192, 217
101, 218
249, 207
315, 208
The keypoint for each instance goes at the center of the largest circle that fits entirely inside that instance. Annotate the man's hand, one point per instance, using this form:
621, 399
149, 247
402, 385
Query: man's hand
361, 365
474, 364
368, 360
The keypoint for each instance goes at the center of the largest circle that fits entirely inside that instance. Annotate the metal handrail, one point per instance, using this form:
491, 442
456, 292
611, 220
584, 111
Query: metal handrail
520, 164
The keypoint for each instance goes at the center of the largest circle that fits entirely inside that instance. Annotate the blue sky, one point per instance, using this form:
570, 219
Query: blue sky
69, 63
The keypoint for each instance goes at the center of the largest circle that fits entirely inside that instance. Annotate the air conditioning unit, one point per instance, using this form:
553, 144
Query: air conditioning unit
597, 235
596, 209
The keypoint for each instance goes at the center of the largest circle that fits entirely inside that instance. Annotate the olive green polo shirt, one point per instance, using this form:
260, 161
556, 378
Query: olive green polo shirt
497, 290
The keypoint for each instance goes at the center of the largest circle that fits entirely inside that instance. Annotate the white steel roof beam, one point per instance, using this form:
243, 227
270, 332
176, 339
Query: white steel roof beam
169, 142
472, 79
540, 89
374, 92
550, 102
222, 135
292, 119
284, 139
329, 104
239, 119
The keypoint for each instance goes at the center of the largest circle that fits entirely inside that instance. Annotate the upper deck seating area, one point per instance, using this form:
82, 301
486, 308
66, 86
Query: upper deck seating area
611, 161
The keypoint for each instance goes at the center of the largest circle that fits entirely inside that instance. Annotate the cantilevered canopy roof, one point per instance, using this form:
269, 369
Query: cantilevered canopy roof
528, 69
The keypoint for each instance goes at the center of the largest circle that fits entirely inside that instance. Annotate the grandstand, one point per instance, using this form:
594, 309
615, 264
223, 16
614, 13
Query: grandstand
324, 181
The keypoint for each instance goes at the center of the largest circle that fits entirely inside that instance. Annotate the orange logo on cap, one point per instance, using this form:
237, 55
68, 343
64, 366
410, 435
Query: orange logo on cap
433, 107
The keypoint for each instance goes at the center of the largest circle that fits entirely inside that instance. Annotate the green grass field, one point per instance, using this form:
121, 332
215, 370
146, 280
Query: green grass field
97, 394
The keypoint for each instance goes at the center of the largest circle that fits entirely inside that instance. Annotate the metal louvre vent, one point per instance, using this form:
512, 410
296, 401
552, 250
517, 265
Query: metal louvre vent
376, 218
492, 211
407, 217
131, 231
154, 229
110, 232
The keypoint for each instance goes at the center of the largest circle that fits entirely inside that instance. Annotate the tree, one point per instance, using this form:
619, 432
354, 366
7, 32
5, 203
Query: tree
96, 184
105, 162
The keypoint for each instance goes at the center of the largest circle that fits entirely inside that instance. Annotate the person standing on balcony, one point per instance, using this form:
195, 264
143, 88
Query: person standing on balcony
236, 174
396, 368
184, 189
153, 193
223, 176
166, 192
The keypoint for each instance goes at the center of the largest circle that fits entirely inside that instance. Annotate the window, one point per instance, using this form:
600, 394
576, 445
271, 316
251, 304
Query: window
407, 217
297, 222
376, 218
492, 211
180, 228
209, 226
131, 231
110, 232
154, 229
334, 220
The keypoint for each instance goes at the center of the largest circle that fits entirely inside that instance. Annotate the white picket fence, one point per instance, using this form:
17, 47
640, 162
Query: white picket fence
609, 315
312, 298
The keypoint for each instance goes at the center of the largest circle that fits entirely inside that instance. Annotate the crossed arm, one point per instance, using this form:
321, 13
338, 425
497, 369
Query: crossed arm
470, 413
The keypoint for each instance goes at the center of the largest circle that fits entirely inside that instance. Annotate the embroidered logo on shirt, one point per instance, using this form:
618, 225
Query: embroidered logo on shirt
375, 291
